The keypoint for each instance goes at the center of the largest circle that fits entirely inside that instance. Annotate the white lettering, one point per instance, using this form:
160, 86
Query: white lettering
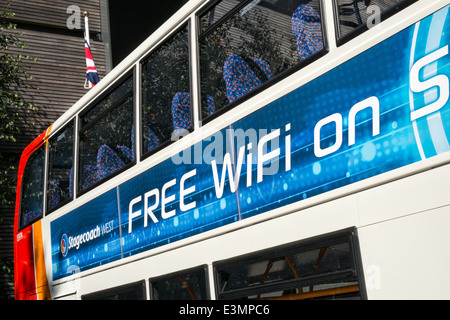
184, 192
131, 214
371, 102
318, 151
107, 227
149, 210
190, 310
264, 157
166, 197
166, 200
76, 242
288, 148
249, 165
439, 81
219, 185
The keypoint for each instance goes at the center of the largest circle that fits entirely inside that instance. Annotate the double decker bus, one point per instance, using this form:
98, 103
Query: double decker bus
251, 149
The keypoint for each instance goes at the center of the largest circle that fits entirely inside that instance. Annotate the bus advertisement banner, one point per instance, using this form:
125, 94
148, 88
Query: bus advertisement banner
86, 237
382, 110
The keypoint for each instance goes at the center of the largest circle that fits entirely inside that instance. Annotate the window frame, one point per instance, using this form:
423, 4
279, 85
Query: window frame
270, 82
80, 129
72, 122
185, 24
299, 247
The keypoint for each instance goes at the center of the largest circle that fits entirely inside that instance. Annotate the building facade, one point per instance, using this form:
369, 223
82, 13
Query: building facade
54, 32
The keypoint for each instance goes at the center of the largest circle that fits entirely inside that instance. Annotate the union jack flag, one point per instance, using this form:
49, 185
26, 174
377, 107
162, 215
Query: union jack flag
91, 72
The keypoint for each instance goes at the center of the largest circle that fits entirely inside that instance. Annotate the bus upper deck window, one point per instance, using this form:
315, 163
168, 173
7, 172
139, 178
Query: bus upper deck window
355, 16
32, 197
60, 168
107, 136
166, 98
244, 44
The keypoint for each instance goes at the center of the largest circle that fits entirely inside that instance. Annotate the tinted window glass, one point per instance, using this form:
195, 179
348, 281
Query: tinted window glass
166, 99
31, 206
244, 44
358, 15
321, 269
60, 168
107, 136
134, 291
218, 12
190, 285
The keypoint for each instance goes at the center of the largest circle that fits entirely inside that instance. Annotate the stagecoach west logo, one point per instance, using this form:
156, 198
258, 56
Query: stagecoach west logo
76, 242
64, 248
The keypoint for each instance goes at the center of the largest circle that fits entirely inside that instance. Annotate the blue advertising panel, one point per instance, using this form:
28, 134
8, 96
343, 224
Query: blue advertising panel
170, 202
86, 237
382, 110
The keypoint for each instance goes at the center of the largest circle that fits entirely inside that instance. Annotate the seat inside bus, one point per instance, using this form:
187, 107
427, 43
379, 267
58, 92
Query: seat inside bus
243, 74
108, 161
181, 111
31, 216
56, 188
89, 175
307, 30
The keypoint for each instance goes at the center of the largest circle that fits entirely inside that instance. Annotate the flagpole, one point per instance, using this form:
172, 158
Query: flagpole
87, 38
86, 27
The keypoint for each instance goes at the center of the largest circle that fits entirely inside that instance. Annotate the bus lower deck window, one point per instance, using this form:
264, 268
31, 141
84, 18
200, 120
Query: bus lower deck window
186, 285
133, 291
321, 269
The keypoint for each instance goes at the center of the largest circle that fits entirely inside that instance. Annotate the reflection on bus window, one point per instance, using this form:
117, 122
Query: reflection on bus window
255, 42
189, 285
166, 98
31, 206
323, 269
60, 168
107, 136
355, 14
